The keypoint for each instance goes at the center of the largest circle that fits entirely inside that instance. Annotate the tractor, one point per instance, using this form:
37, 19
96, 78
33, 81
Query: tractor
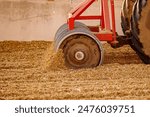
82, 44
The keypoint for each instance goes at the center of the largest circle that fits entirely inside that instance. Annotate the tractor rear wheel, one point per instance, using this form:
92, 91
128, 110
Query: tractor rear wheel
141, 29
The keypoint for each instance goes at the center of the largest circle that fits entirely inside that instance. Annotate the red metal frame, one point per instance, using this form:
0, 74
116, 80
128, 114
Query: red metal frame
104, 32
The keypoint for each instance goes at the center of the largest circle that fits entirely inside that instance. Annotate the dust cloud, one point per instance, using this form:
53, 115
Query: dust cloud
31, 19
59, 16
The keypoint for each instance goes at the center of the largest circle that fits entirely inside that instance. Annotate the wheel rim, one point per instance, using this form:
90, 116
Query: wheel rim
79, 55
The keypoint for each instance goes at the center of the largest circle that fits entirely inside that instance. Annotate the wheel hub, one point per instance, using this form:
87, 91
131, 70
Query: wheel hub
79, 55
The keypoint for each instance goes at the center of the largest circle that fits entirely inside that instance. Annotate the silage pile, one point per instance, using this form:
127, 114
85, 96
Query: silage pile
32, 70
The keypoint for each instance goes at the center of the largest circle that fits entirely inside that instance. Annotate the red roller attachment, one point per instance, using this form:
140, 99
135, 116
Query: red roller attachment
104, 17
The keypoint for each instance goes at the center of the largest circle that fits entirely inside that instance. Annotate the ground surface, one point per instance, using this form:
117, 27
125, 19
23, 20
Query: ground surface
29, 70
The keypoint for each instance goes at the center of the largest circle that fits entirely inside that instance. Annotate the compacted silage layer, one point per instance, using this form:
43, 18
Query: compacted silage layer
31, 70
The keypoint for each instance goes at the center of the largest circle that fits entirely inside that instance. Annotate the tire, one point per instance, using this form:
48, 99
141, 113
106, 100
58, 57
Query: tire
81, 51
81, 48
141, 30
